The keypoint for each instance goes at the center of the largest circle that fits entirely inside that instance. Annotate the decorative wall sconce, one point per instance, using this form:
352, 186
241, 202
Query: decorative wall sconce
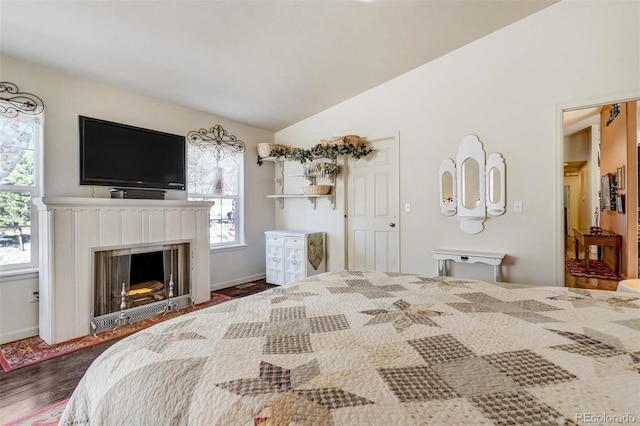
18, 102
217, 141
468, 189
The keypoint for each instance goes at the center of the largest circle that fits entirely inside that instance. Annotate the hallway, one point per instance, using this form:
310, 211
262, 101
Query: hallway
583, 282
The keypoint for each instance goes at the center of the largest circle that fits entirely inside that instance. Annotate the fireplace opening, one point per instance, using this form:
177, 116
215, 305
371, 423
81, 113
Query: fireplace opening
147, 267
146, 280
149, 275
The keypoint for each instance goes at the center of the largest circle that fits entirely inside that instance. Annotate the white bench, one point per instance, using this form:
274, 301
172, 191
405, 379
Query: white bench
467, 256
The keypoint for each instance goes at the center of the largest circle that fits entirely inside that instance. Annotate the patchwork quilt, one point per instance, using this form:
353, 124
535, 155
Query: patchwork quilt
368, 348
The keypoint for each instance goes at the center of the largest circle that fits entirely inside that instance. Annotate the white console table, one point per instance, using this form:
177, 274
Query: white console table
466, 256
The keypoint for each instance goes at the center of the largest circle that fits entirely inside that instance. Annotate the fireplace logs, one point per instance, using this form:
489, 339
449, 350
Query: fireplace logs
141, 294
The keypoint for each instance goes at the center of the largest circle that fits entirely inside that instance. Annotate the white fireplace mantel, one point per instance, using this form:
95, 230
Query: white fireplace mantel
70, 228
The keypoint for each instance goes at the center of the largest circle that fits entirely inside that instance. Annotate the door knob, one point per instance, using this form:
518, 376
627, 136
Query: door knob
393, 225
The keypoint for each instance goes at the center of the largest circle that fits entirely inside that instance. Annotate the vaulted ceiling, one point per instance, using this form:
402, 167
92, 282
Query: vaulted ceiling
268, 64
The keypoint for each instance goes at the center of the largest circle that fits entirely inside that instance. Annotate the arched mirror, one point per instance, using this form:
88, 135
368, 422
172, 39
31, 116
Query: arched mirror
495, 185
470, 183
448, 198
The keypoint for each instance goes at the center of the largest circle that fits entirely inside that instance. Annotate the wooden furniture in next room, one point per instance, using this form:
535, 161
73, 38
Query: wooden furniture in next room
601, 238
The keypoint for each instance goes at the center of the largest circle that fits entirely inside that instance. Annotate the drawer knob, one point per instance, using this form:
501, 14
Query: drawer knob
294, 262
464, 258
274, 259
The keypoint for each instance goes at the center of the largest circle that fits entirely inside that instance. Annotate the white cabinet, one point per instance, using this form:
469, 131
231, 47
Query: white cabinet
294, 255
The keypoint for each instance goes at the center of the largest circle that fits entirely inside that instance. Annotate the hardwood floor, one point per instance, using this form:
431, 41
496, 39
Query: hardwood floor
39, 385
583, 282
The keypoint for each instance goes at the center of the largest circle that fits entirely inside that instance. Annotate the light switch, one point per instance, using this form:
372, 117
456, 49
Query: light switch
407, 207
517, 206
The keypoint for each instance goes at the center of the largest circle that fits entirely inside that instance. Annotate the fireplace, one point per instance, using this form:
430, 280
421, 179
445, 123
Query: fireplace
72, 230
155, 279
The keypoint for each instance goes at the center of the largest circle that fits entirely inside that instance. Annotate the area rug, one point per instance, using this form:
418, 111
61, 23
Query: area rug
32, 350
47, 416
597, 269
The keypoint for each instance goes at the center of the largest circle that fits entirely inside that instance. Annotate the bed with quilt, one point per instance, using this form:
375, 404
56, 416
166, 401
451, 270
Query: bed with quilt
361, 347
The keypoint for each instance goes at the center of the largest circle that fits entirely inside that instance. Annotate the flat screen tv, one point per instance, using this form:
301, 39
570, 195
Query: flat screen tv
118, 155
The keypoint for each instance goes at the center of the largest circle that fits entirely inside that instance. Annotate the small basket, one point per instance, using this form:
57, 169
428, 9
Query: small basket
337, 140
264, 149
316, 189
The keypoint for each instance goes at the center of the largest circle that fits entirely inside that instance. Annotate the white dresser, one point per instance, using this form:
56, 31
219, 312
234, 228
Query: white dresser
294, 255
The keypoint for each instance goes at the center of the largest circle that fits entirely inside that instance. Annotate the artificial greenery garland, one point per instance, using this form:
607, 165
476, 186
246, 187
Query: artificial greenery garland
320, 151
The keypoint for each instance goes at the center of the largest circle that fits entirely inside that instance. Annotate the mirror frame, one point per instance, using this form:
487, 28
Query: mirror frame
448, 166
472, 219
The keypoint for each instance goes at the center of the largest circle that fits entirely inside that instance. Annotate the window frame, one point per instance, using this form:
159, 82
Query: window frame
239, 200
35, 192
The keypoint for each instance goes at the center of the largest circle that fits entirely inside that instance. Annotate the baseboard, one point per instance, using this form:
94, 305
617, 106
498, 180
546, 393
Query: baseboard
19, 335
218, 286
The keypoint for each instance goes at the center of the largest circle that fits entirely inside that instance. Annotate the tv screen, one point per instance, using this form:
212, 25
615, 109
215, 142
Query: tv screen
113, 154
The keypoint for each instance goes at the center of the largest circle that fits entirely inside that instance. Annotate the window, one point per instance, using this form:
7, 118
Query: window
19, 176
221, 182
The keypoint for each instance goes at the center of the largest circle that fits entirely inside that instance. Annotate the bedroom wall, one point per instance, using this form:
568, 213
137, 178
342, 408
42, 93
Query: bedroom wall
67, 96
508, 88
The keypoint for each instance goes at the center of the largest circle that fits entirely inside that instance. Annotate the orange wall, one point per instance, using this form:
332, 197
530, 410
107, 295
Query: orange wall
631, 189
618, 147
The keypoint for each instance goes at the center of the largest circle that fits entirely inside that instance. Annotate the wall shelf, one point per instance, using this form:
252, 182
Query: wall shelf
311, 198
311, 177
273, 159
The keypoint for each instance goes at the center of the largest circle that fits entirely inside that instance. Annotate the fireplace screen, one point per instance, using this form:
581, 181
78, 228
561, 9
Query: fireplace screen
145, 272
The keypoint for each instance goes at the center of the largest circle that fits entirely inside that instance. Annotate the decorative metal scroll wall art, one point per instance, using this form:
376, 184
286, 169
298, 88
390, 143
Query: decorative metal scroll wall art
217, 141
613, 113
18, 102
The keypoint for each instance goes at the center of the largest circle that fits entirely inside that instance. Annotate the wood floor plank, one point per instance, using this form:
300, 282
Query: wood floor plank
36, 386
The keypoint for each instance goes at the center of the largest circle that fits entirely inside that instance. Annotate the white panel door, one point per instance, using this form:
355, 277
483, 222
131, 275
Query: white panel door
372, 209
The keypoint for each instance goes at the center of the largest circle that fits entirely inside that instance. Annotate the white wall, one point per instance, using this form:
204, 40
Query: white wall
506, 88
18, 317
67, 96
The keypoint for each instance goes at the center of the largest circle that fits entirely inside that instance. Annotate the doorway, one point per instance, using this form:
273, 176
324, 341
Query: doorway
373, 222
600, 144
567, 208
